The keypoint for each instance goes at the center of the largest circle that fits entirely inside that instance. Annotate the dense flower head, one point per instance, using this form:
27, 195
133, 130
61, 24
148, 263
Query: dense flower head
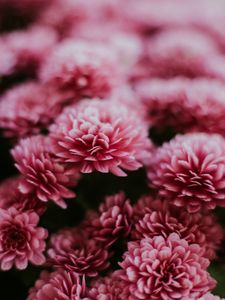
20, 239
189, 171
184, 105
27, 108
60, 285
30, 47
95, 135
160, 218
84, 69
113, 221
165, 268
70, 249
110, 287
10, 195
210, 296
42, 175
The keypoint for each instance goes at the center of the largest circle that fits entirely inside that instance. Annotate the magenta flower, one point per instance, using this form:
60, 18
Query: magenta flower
42, 175
110, 287
28, 108
84, 69
183, 105
189, 171
113, 221
60, 285
170, 268
71, 250
20, 239
156, 217
95, 136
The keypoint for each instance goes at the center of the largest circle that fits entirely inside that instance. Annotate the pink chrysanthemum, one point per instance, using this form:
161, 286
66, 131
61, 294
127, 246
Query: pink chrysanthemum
97, 136
42, 175
162, 269
82, 68
113, 221
28, 108
20, 239
189, 171
184, 105
60, 285
160, 218
110, 287
71, 250
10, 195
210, 296
30, 47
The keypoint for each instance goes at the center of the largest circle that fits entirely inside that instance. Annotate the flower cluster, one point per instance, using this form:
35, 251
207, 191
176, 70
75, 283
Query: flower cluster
113, 148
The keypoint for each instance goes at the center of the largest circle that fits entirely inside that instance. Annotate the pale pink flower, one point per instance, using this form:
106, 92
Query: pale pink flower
42, 175
160, 218
189, 171
7, 59
162, 269
85, 69
96, 135
72, 250
27, 108
110, 287
20, 239
60, 285
210, 296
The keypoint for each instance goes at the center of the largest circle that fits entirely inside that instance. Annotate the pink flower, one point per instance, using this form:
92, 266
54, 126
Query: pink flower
189, 171
184, 105
28, 108
110, 287
210, 296
113, 221
71, 250
8, 58
162, 269
30, 47
160, 218
42, 175
20, 239
10, 195
60, 285
82, 68
97, 136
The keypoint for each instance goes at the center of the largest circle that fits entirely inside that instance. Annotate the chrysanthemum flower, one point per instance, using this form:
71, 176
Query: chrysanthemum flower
20, 239
30, 47
160, 218
160, 268
28, 108
10, 195
110, 287
42, 175
113, 221
95, 135
210, 296
71, 250
60, 285
189, 171
82, 68
184, 105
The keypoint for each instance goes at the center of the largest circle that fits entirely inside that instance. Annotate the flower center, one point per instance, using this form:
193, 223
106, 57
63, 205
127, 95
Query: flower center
13, 237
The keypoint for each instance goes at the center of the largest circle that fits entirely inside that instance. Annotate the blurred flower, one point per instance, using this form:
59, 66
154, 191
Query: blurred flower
60, 285
70, 249
189, 171
42, 175
165, 269
95, 135
20, 239
84, 69
160, 218
210, 296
